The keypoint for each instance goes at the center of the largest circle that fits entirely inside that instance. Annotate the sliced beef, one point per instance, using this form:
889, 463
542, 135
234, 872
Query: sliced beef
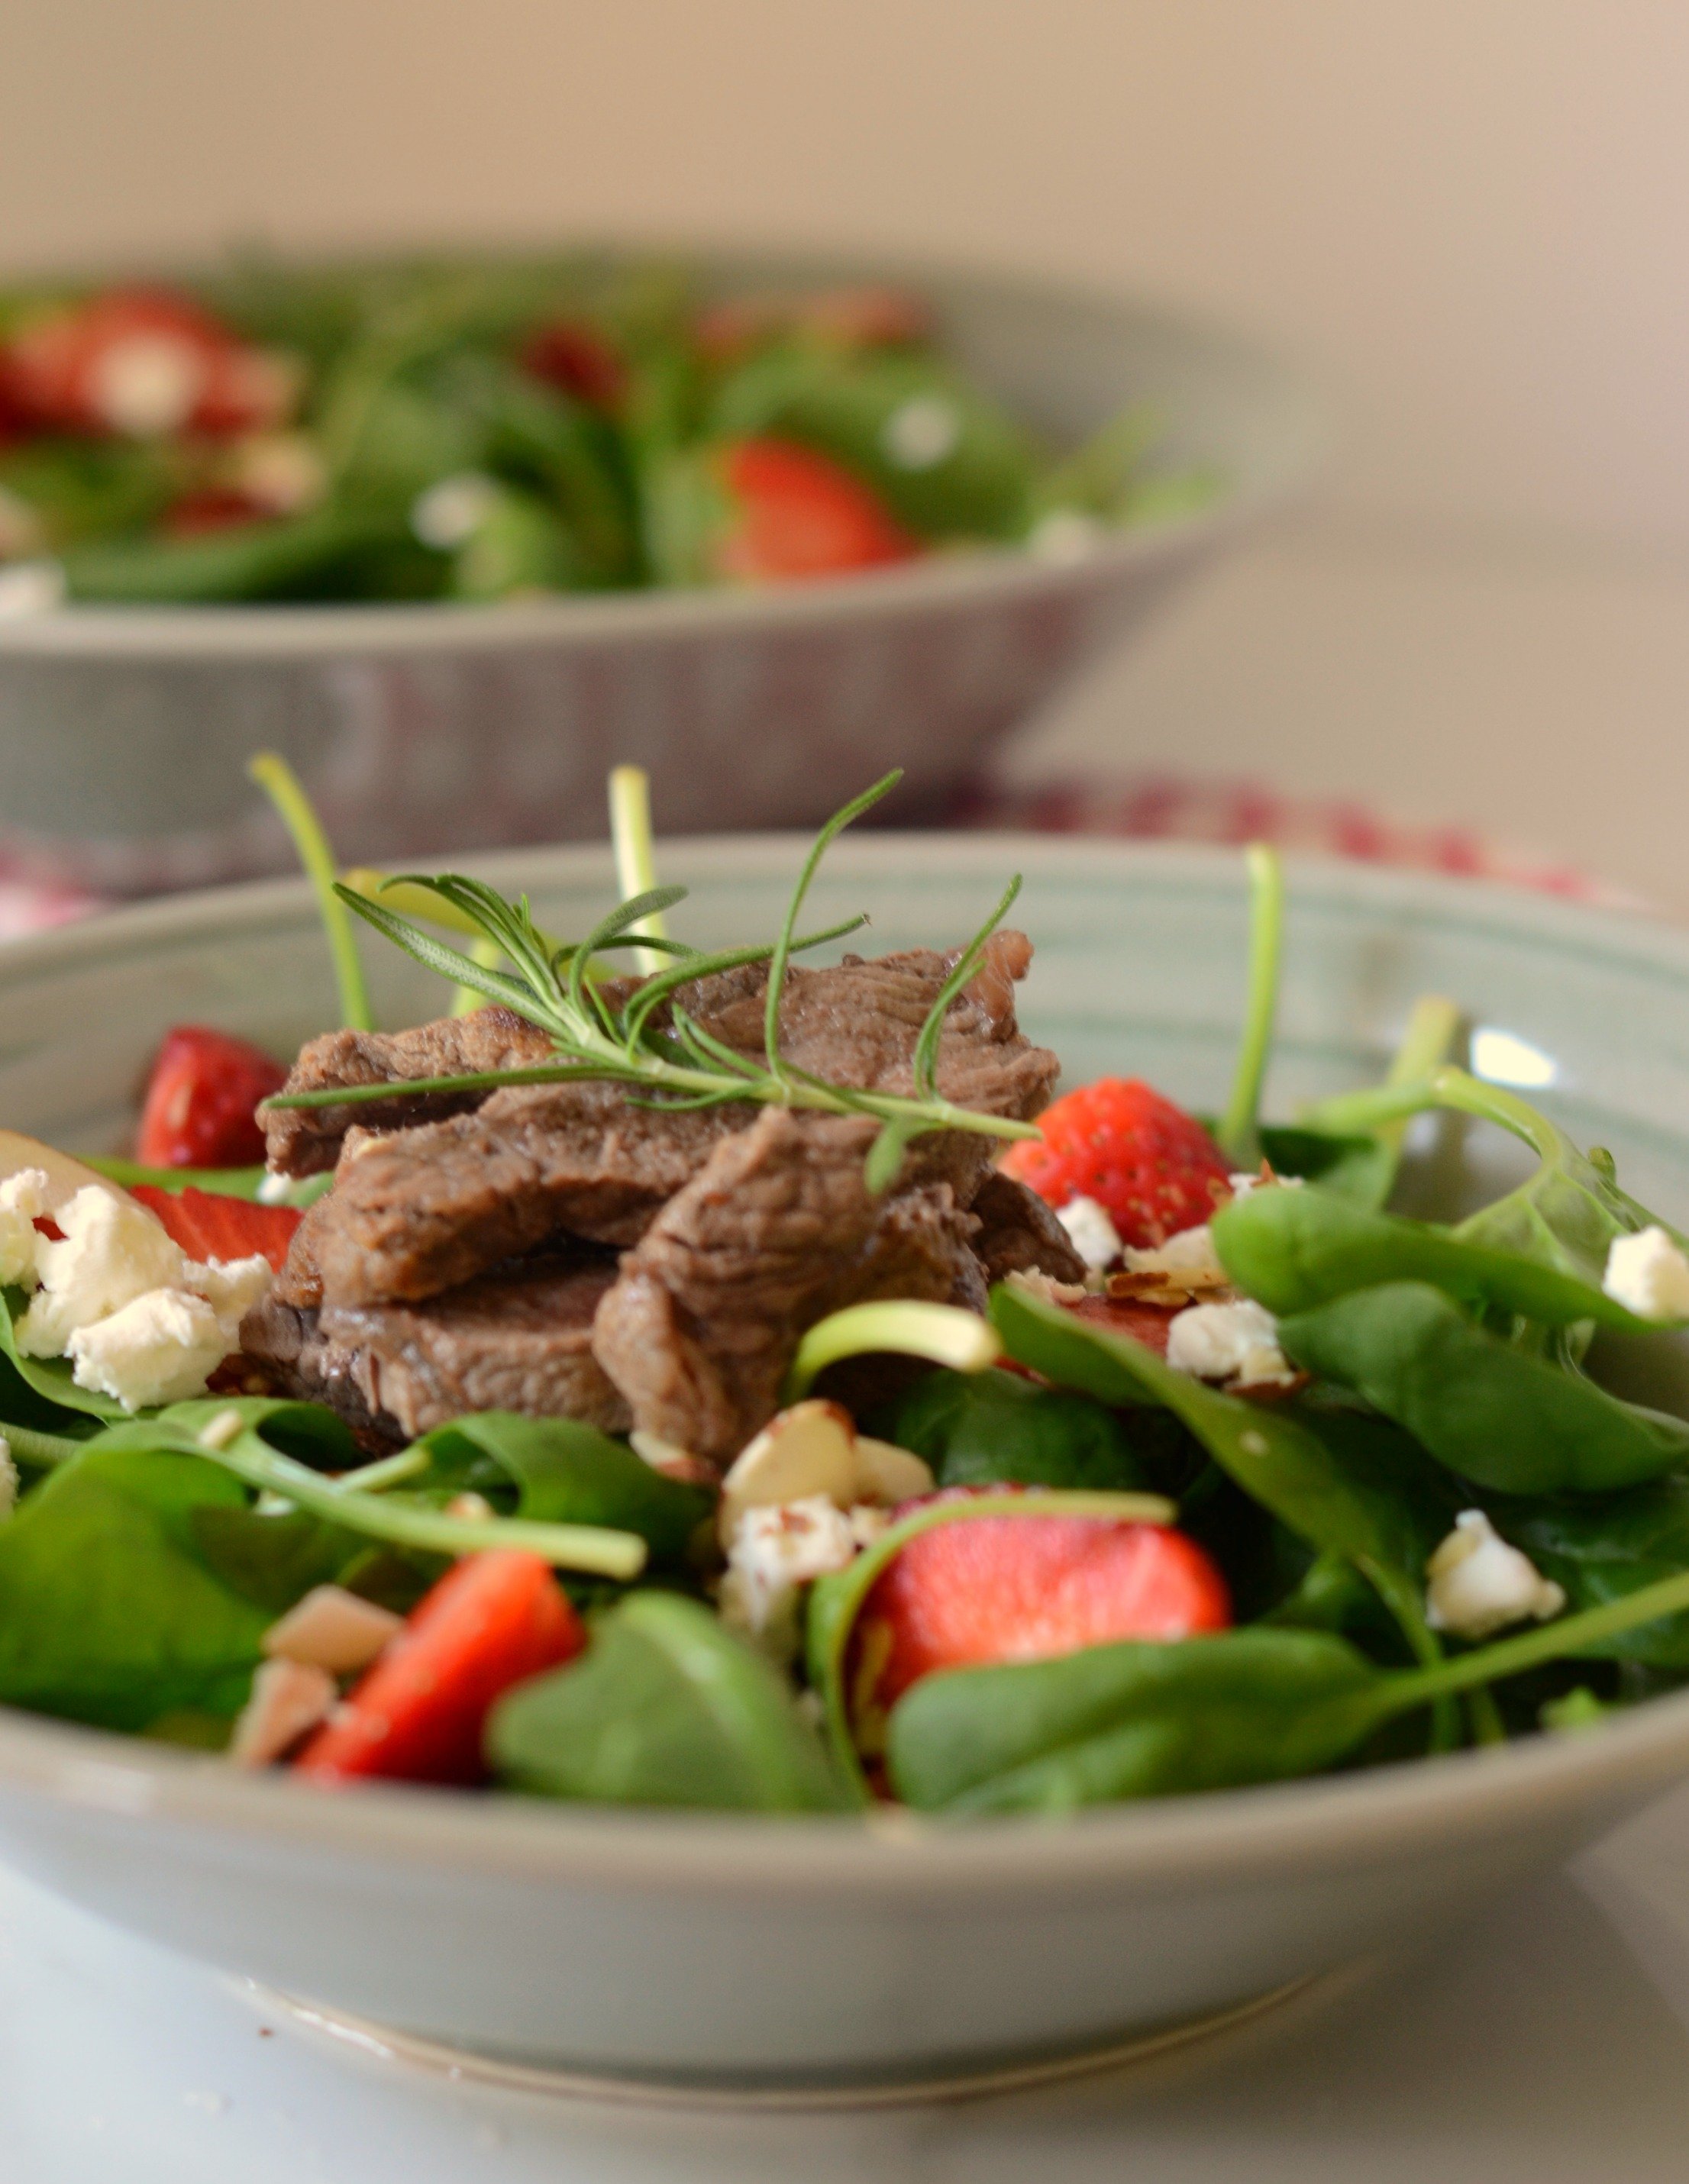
307, 1141
776, 1231
517, 1340
1019, 1234
429, 1208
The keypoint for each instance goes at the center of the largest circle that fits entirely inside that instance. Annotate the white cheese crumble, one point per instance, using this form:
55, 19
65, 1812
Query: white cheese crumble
1235, 1343
276, 1190
1242, 1185
139, 1320
1480, 1584
332, 1629
922, 432
282, 471
28, 589
1191, 1252
1648, 1275
451, 512
23, 1199
775, 1551
146, 384
288, 1698
1090, 1231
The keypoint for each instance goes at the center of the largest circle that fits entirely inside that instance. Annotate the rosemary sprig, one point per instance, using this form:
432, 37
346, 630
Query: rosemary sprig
602, 1038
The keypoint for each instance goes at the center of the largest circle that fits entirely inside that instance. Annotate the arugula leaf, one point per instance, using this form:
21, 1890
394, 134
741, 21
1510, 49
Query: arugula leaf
665, 1708
109, 1612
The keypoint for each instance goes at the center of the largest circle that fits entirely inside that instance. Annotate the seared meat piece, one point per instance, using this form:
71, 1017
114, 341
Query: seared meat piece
776, 1231
428, 1208
306, 1140
1019, 1234
425, 1208
518, 1339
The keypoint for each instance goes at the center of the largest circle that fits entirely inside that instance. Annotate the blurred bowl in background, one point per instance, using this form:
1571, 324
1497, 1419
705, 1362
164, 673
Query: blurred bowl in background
124, 731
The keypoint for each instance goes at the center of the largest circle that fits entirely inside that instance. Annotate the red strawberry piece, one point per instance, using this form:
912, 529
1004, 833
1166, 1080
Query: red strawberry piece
799, 514
143, 361
985, 1589
1118, 1141
493, 1621
571, 354
213, 508
211, 1224
201, 1099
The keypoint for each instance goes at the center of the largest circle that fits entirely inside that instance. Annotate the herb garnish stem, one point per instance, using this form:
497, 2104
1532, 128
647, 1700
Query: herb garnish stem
282, 785
636, 863
1239, 1132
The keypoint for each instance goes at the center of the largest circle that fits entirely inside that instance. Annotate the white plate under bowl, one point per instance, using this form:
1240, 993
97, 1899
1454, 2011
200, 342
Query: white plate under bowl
724, 1950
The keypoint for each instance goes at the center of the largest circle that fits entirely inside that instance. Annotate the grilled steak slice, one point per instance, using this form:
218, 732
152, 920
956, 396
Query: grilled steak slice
1019, 1234
517, 1340
426, 1209
306, 1140
776, 1231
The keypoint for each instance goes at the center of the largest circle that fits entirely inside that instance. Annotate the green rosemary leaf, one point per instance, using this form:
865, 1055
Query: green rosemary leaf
655, 991
450, 962
593, 1072
606, 930
967, 964
885, 1156
703, 1048
783, 947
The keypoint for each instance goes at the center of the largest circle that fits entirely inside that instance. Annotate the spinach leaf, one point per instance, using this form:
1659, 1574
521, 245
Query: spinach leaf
1295, 1249
1288, 1464
1489, 1413
665, 1708
1607, 1548
1359, 1167
981, 1428
1131, 1721
109, 1612
566, 1473
272, 1560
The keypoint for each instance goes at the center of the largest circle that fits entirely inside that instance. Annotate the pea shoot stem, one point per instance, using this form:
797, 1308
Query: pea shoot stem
944, 1333
636, 863
282, 785
1238, 1133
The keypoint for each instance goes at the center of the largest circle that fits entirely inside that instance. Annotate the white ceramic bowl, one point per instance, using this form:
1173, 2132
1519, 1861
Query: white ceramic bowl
123, 733
735, 1950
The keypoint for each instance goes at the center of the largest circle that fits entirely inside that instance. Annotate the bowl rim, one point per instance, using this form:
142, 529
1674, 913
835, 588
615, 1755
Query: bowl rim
977, 578
1289, 1827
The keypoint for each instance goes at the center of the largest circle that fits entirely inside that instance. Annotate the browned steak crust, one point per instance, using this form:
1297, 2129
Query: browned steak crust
1019, 1234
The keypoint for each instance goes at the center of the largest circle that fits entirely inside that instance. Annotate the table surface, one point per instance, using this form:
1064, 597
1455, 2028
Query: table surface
1546, 2042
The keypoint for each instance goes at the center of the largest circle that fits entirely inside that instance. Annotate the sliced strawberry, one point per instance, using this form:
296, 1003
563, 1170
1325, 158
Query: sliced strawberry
493, 1621
1153, 1167
142, 362
799, 514
211, 508
210, 1224
201, 1098
1025, 1589
574, 355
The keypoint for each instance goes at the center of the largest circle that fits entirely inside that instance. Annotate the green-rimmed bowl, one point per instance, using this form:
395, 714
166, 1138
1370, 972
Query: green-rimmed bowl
736, 1952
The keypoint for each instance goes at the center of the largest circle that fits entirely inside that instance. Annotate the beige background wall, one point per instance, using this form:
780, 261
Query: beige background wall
1473, 215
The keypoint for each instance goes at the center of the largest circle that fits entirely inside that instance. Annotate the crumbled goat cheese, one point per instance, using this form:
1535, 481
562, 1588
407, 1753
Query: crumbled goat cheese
114, 1250
28, 589
813, 1449
1191, 1252
282, 471
8, 1479
288, 1698
1065, 536
1090, 1231
276, 1190
775, 1551
158, 1348
922, 432
1237, 1343
1262, 1179
1480, 1584
450, 513
138, 1319
146, 384
1648, 1275
332, 1629
23, 1200
1046, 1286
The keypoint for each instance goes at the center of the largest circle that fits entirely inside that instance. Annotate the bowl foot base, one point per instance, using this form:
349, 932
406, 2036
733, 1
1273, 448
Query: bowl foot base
340, 2031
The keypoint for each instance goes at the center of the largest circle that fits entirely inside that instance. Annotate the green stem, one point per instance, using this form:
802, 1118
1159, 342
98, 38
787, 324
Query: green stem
591, 1548
465, 1000
636, 862
944, 1333
40, 1450
386, 1471
278, 781
1433, 1026
1358, 1113
1238, 1133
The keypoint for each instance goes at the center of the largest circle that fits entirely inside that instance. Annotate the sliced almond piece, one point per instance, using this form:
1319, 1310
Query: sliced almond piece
288, 1698
333, 1629
65, 1174
889, 1475
810, 1449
